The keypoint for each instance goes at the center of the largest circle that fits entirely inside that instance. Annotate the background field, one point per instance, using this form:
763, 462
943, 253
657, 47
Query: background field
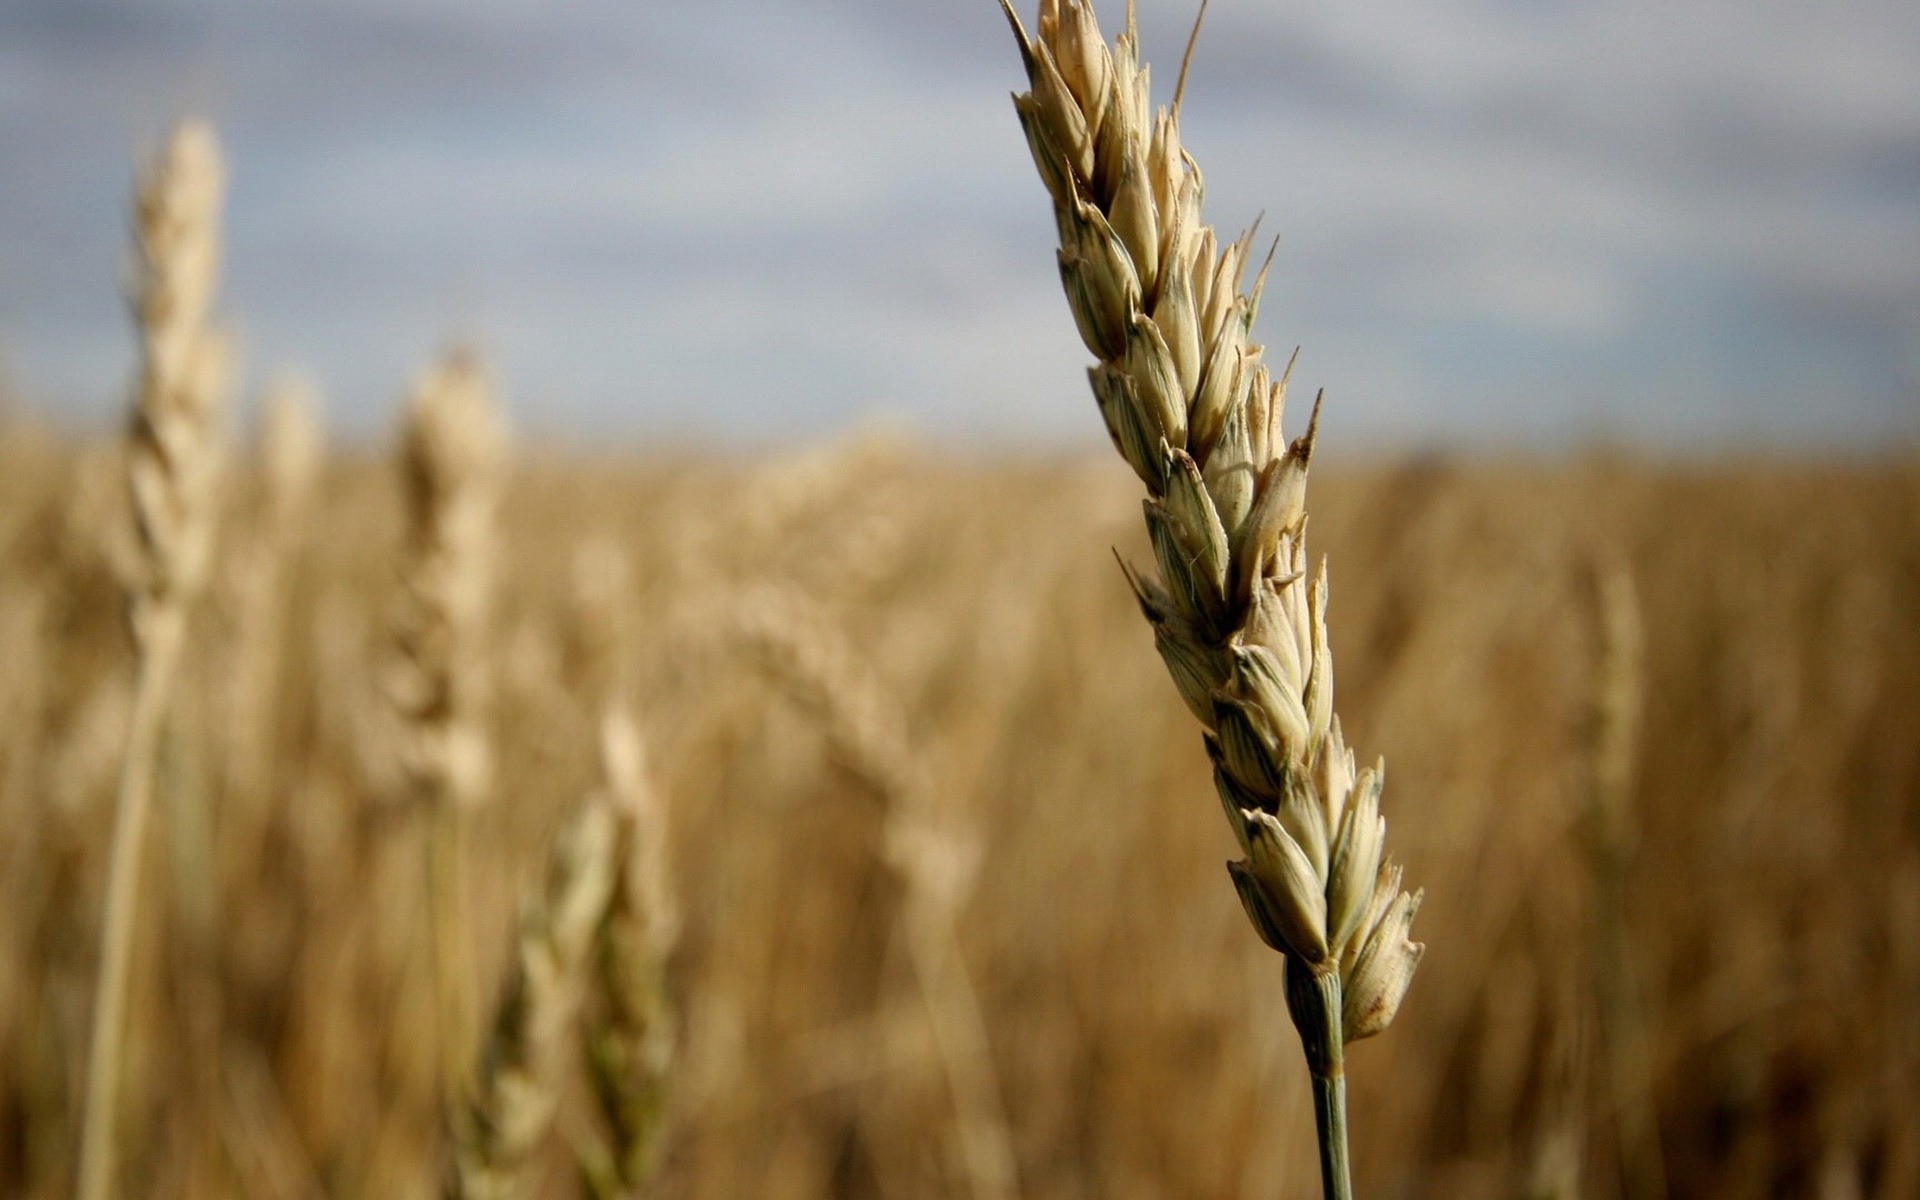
1768, 878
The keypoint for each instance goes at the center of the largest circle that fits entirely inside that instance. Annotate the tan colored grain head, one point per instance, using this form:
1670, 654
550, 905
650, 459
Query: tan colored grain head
1236, 611
517, 1087
452, 457
631, 1033
176, 440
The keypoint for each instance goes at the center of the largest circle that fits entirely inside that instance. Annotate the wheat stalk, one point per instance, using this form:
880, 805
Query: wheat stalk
175, 462
291, 449
451, 463
933, 857
629, 1032
630, 1038
1607, 821
499, 1125
1191, 406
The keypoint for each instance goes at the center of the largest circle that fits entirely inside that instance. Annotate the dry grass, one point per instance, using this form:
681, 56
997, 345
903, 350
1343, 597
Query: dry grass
1772, 892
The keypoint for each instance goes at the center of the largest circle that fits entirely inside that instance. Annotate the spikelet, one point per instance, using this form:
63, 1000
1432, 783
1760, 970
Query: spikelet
451, 462
1191, 406
510, 1109
175, 460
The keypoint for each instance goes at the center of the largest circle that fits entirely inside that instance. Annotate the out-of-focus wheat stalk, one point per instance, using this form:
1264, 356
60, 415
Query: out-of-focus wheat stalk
630, 1040
510, 1107
175, 449
451, 462
292, 448
1608, 826
935, 858
1190, 406
631, 1029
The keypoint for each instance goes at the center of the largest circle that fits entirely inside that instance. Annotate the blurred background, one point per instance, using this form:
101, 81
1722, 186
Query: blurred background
1683, 225
1618, 310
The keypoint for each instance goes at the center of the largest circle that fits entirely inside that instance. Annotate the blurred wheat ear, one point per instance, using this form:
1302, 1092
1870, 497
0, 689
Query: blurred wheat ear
629, 1031
508, 1110
291, 453
175, 464
1191, 406
451, 461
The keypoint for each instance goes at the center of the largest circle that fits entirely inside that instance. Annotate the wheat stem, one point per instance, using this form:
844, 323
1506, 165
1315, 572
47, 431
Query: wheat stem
1316, 1003
1609, 844
99, 1124
925, 845
174, 465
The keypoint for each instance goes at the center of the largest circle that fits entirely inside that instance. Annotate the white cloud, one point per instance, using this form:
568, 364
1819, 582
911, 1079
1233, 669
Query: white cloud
776, 215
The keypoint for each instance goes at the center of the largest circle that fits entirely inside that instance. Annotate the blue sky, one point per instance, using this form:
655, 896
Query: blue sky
1684, 224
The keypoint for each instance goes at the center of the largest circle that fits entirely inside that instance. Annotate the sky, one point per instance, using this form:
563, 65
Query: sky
1678, 224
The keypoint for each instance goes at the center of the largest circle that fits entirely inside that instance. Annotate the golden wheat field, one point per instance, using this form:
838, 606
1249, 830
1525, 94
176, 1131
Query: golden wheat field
953, 919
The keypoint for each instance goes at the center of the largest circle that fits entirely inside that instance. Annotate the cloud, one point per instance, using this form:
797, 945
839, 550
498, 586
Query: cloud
766, 218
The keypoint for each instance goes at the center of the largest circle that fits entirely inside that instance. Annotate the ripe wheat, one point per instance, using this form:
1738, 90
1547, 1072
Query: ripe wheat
291, 448
451, 463
1191, 407
175, 459
630, 1028
933, 855
510, 1107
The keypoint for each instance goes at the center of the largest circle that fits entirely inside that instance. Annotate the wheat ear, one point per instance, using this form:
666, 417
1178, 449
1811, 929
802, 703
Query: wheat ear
451, 460
175, 461
500, 1123
630, 1038
629, 1032
1191, 407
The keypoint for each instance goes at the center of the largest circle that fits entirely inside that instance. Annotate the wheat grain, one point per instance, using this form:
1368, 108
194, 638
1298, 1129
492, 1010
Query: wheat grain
1190, 405
175, 457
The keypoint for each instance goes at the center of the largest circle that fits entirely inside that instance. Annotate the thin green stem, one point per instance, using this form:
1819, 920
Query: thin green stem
1330, 1121
1314, 999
